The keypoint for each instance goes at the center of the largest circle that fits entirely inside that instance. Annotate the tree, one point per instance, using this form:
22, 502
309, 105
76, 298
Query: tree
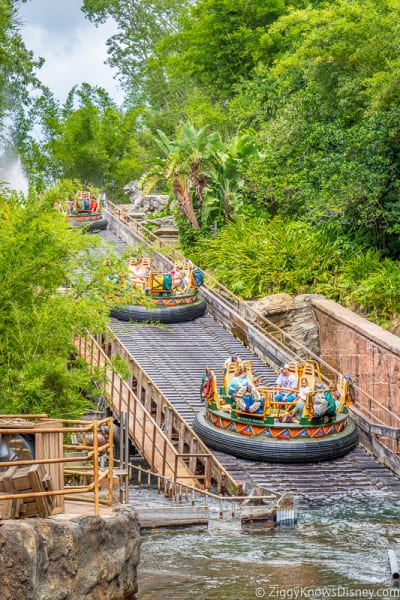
141, 24
205, 173
17, 68
88, 138
54, 287
344, 54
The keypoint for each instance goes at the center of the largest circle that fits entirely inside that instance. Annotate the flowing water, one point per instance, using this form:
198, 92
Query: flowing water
337, 550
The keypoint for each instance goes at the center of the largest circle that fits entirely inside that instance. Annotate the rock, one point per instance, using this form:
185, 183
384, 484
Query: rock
79, 558
293, 314
277, 303
163, 222
147, 204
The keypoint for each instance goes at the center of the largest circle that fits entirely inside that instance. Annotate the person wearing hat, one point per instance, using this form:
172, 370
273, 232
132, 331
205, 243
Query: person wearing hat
288, 381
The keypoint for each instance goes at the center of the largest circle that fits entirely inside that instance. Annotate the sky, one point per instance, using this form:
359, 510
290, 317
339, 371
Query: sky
74, 49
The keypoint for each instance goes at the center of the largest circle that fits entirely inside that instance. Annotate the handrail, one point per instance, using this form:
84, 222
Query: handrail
227, 295
145, 431
91, 457
177, 491
121, 396
296, 351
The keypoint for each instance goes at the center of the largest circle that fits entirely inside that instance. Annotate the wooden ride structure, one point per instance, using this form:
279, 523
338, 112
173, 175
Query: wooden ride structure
43, 461
253, 423
173, 296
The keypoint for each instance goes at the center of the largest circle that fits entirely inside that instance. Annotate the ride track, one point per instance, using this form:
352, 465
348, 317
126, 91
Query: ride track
175, 357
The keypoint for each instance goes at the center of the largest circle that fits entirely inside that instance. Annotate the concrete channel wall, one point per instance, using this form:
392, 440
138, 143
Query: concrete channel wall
371, 355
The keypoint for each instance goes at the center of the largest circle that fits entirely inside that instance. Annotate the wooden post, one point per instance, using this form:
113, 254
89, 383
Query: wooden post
139, 385
50, 445
147, 401
181, 438
96, 467
168, 422
159, 408
153, 448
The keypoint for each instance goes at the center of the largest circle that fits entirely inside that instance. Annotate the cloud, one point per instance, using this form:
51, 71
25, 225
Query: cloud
73, 54
52, 15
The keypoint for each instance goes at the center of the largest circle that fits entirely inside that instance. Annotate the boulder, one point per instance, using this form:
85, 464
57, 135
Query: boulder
293, 314
70, 557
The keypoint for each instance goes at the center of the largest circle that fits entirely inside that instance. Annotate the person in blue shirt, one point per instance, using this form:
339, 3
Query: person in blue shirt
240, 380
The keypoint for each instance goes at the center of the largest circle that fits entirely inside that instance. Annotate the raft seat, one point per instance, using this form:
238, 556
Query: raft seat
311, 370
246, 413
269, 394
248, 365
342, 387
229, 372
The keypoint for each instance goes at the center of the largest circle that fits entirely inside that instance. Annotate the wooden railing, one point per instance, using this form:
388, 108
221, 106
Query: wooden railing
168, 444
291, 349
180, 492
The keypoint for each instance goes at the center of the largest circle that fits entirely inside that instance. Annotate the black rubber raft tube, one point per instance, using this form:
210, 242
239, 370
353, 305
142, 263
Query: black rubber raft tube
162, 314
268, 449
98, 225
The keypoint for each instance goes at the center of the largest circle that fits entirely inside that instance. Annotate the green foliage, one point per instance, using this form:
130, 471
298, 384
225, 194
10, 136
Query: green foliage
205, 173
257, 257
141, 24
17, 68
54, 287
345, 53
218, 43
88, 138
263, 109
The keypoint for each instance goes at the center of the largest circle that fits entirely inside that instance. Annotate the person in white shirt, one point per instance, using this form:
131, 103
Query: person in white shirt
286, 380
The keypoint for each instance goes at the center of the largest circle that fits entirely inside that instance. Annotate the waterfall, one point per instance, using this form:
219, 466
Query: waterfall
12, 173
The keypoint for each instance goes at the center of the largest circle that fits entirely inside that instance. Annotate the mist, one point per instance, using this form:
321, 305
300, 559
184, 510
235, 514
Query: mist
13, 175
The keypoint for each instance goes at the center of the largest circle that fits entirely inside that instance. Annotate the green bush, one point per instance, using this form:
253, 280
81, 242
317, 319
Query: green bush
256, 257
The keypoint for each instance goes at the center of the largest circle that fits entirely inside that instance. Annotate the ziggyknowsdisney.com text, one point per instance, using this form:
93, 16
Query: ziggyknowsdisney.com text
295, 593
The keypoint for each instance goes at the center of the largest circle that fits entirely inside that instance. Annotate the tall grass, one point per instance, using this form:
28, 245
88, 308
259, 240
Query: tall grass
256, 257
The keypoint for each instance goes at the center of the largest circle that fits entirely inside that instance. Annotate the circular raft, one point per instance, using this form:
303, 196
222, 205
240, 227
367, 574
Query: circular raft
16, 447
98, 225
162, 314
263, 448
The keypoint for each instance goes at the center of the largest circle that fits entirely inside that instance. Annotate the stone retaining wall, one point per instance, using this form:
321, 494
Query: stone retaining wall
293, 314
369, 354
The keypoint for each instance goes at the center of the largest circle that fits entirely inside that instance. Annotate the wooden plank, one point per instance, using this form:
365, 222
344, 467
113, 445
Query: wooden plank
28, 509
50, 445
257, 517
172, 516
138, 431
6, 480
37, 482
6, 509
20, 480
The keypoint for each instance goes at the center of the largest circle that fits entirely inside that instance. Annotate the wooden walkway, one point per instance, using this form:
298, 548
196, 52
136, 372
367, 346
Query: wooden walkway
143, 430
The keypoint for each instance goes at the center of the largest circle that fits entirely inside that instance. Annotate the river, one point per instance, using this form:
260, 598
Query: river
337, 550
